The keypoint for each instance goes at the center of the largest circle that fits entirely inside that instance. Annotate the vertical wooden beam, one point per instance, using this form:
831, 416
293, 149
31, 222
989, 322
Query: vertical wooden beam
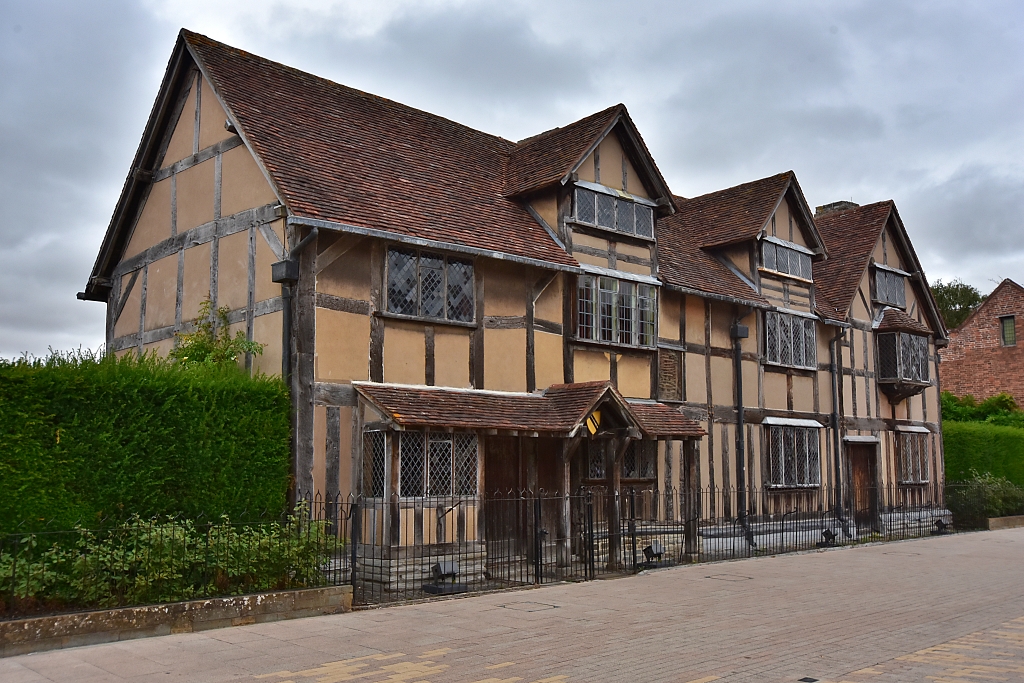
378, 255
179, 292
214, 271
682, 342
531, 367
333, 453
690, 485
199, 108
250, 305
391, 521
358, 457
727, 491
304, 339
569, 447
428, 360
613, 369
615, 449
142, 309
668, 486
568, 329
174, 204
218, 170
707, 382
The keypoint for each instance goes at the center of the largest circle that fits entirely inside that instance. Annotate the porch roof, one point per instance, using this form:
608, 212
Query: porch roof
559, 410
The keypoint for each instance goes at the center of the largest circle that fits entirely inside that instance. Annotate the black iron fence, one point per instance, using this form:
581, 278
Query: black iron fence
410, 548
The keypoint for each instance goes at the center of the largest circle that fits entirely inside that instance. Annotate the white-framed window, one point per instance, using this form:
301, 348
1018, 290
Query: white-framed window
790, 340
436, 464
783, 259
890, 288
914, 461
612, 213
1008, 330
640, 461
903, 357
793, 456
429, 285
615, 311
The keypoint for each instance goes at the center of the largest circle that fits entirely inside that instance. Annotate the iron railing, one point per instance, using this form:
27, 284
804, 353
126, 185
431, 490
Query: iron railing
401, 549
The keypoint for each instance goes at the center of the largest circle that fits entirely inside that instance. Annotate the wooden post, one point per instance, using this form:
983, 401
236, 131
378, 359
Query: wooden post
569, 447
614, 450
391, 521
690, 490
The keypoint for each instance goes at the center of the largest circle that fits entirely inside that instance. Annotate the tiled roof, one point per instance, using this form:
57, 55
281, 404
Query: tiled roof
659, 419
735, 214
681, 261
544, 159
850, 237
560, 409
895, 320
342, 155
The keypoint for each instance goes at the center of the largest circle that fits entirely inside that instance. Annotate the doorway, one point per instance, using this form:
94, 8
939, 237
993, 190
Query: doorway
864, 480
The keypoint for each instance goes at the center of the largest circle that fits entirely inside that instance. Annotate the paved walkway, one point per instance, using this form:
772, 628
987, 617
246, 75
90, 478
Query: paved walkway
937, 610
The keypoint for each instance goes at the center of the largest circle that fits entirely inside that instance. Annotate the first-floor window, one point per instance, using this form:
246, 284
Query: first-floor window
793, 456
640, 460
789, 340
914, 461
430, 285
617, 311
437, 464
1008, 330
903, 357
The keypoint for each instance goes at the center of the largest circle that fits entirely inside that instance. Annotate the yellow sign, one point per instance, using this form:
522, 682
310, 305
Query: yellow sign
594, 421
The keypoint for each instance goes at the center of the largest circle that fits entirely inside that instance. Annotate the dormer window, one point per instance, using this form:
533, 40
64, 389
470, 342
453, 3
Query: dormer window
786, 257
597, 207
890, 288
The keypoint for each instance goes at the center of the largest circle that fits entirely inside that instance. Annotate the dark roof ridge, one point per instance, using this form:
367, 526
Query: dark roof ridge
192, 37
1006, 282
732, 188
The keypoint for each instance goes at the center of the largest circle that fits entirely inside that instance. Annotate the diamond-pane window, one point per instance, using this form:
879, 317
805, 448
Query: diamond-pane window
403, 295
586, 211
644, 220
890, 288
625, 220
914, 462
430, 286
465, 464
374, 463
595, 463
793, 456
790, 340
411, 459
903, 357
439, 465
638, 462
606, 211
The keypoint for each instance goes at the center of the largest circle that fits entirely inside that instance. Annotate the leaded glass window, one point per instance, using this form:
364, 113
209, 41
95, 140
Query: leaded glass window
595, 463
613, 213
914, 462
430, 285
437, 464
793, 456
790, 340
374, 463
903, 357
640, 460
786, 260
617, 311
890, 288
1008, 330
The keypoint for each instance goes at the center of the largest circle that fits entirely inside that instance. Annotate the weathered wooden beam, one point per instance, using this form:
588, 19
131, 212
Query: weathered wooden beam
334, 394
341, 246
343, 304
197, 158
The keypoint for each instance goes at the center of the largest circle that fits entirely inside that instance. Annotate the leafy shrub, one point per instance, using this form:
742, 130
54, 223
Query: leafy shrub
983, 447
145, 562
982, 496
1000, 409
210, 343
85, 438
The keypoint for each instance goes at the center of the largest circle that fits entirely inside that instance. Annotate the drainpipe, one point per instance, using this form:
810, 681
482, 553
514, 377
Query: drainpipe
833, 352
738, 333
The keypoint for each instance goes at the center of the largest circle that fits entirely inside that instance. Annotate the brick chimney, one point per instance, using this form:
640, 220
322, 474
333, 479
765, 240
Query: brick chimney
834, 207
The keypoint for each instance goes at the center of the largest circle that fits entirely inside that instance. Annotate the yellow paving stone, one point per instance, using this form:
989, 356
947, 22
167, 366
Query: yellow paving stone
499, 666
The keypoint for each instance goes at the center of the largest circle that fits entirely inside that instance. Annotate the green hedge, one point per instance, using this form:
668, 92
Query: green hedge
983, 447
84, 439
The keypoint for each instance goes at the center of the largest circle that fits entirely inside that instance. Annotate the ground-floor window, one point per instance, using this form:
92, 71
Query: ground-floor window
374, 463
793, 456
913, 458
640, 460
429, 463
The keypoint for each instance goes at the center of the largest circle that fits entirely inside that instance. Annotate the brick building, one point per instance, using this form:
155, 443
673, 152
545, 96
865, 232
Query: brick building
983, 358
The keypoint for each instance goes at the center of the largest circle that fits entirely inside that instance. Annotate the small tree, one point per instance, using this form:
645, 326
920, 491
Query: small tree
211, 343
956, 300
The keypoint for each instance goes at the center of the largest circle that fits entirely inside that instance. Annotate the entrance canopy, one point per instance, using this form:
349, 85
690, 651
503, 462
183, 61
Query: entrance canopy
562, 410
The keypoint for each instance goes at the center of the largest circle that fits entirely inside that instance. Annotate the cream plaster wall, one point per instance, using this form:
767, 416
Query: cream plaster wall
195, 190
634, 375
267, 330
182, 139
451, 358
211, 118
195, 280
504, 358
161, 292
343, 346
233, 276
404, 352
547, 359
154, 224
243, 185
591, 366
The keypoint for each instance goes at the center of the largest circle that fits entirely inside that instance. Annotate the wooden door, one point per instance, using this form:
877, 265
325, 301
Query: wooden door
864, 484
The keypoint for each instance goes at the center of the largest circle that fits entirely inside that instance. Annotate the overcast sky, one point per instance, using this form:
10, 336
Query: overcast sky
920, 102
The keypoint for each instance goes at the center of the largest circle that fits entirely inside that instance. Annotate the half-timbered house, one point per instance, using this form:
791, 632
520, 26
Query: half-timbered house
461, 315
